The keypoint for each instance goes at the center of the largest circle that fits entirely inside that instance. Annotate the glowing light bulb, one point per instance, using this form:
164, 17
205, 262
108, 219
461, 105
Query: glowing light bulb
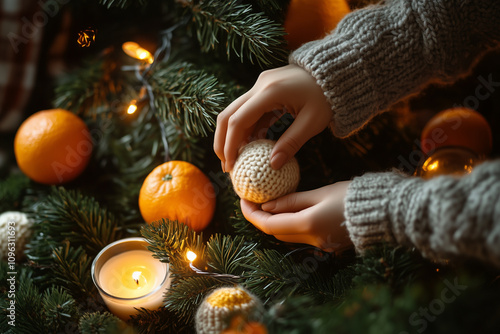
134, 50
191, 256
132, 107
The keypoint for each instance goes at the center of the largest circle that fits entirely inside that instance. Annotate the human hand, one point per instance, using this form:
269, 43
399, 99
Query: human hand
313, 217
288, 89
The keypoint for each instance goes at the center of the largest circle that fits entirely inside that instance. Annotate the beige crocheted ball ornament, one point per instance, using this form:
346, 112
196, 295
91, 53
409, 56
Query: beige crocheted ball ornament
15, 229
254, 179
223, 304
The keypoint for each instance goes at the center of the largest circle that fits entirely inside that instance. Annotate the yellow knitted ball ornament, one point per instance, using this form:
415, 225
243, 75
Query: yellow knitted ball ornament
254, 179
221, 305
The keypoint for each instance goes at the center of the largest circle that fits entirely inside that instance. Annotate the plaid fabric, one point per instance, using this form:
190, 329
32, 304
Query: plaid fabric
21, 27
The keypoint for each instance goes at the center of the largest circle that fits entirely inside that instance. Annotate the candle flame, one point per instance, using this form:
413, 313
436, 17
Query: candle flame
136, 275
134, 50
132, 107
191, 256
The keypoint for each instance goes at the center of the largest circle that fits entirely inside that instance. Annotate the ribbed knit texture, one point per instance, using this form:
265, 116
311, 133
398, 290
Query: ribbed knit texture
254, 179
377, 56
446, 217
381, 54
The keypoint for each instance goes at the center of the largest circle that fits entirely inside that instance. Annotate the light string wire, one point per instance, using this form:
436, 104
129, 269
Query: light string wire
223, 277
162, 54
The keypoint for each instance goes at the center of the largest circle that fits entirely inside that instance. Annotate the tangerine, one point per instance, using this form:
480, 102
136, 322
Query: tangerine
178, 190
462, 127
53, 146
311, 20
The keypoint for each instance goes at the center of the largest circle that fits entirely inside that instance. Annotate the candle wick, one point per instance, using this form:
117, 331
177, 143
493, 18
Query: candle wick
136, 276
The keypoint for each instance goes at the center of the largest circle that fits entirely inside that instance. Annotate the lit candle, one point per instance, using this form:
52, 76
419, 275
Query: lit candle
129, 277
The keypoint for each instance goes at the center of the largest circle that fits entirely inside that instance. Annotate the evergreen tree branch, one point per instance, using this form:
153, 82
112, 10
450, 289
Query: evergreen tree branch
229, 255
90, 90
73, 271
239, 29
28, 305
275, 276
187, 97
122, 3
386, 264
67, 214
160, 321
12, 190
184, 147
274, 8
241, 226
187, 294
169, 241
103, 322
59, 309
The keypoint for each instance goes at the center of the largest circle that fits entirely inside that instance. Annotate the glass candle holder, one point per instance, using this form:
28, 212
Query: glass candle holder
128, 277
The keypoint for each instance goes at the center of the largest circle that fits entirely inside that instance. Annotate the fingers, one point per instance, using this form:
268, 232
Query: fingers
222, 124
293, 202
241, 124
281, 224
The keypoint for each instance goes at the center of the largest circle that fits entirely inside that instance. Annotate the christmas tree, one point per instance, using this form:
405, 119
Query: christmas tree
149, 79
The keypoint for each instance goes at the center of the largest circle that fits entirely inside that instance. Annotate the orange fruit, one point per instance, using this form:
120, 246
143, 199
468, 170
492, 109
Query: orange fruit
461, 127
311, 20
239, 325
178, 190
53, 146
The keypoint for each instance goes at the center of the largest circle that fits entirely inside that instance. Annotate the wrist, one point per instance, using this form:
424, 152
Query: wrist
367, 210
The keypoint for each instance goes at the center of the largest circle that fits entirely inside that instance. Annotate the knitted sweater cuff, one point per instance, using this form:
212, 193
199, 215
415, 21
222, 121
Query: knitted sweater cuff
367, 209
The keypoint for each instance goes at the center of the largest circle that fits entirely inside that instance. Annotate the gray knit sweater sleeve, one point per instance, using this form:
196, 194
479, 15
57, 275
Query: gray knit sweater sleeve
380, 54
445, 217
377, 56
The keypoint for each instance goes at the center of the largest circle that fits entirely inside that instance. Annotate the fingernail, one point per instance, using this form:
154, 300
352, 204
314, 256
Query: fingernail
268, 206
278, 160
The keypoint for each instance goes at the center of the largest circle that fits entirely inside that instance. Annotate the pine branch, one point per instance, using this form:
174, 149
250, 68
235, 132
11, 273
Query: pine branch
187, 97
274, 8
385, 264
170, 240
68, 215
241, 226
184, 147
11, 191
277, 276
272, 275
122, 3
103, 322
72, 270
28, 305
160, 321
187, 294
59, 309
90, 90
239, 29
229, 255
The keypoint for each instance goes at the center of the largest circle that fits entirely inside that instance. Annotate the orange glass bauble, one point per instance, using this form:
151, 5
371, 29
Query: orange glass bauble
460, 127
311, 20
